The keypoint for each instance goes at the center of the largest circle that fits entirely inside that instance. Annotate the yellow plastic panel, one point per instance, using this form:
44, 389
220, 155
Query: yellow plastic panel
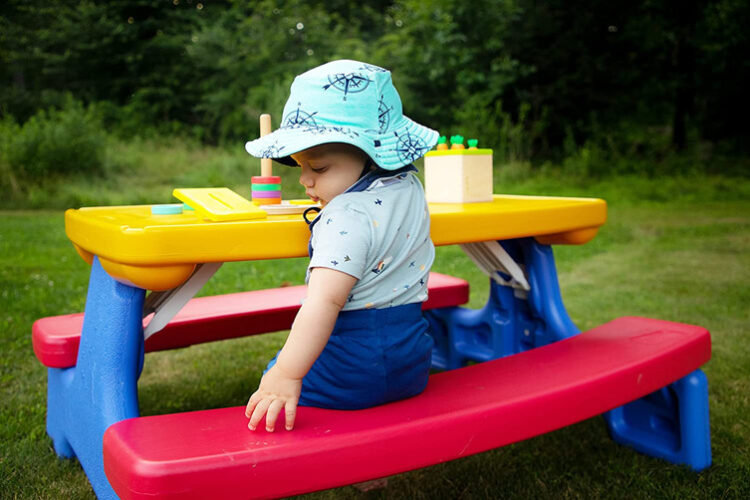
158, 278
88, 257
577, 237
219, 204
131, 235
509, 216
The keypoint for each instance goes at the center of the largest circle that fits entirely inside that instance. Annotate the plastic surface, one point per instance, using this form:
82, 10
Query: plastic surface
101, 390
219, 204
461, 412
131, 234
55, 339
134, 238
266, 194
266, 187
166, 305
267, 179
512, 321
289, 207
171, 209
671, 423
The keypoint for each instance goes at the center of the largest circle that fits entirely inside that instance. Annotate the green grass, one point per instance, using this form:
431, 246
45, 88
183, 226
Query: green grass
675, 248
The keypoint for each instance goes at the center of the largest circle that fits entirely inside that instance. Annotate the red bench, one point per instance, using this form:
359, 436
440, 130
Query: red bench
207, 319
212, 454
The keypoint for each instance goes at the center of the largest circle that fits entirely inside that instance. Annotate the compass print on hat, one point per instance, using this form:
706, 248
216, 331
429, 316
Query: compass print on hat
272, 151
409, 147
348, 83
298, 118
373, 68
384, 115
384, 119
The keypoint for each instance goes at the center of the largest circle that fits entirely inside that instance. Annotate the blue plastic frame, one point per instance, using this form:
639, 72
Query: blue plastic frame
82, 401
511, 321
672, 423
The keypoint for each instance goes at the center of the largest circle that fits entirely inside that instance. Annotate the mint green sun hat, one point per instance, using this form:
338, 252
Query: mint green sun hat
350, 102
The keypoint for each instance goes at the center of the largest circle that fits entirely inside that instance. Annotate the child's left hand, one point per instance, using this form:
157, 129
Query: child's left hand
276, 391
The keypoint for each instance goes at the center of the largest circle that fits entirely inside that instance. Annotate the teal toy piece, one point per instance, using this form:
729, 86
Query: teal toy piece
171, 209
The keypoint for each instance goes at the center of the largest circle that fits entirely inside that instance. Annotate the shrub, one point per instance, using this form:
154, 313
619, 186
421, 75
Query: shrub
8, 129
55, 142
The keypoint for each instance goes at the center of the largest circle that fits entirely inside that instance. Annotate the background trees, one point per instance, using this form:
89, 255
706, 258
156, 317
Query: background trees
536, 80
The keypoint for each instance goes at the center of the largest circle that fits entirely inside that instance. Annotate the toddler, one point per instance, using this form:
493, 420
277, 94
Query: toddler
359, 339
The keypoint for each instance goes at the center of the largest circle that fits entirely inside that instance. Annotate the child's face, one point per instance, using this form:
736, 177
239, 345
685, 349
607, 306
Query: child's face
328, 170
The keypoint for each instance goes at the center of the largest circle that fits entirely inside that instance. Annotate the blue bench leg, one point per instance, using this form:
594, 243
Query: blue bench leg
671, 423
512, 321
101, 389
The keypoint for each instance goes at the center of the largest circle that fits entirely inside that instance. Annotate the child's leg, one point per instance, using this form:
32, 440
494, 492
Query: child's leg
347, 375
408, 359
373, 356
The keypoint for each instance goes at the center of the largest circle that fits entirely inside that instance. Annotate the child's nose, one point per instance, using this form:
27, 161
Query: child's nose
305, 179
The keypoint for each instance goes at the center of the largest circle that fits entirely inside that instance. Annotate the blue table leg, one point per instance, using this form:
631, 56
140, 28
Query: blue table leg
101, 389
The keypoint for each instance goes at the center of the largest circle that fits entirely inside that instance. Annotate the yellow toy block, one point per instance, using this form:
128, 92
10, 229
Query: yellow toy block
219, 204
458, 176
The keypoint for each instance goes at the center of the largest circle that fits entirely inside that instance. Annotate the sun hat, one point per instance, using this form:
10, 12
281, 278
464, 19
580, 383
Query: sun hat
351, 102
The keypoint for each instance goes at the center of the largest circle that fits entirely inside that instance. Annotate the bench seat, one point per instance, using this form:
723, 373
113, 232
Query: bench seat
219, 317
212, 454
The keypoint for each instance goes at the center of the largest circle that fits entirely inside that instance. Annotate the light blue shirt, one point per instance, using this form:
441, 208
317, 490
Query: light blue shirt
381, 236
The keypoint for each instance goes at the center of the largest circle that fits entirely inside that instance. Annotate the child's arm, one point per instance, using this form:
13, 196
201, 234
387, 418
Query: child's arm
280, 387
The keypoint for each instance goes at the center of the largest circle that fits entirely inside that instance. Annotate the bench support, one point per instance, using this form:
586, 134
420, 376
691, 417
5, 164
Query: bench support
82, 401
512, 321
671, 423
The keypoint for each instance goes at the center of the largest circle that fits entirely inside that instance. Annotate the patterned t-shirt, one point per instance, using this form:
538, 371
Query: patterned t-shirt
381, 236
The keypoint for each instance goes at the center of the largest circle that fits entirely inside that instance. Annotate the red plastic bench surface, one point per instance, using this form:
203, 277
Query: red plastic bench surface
206, 319
212, 454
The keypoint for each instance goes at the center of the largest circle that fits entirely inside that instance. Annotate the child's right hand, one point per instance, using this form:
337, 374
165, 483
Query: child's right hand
276, 391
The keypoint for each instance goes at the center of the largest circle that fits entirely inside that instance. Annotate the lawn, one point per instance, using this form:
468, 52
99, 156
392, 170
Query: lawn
676, 249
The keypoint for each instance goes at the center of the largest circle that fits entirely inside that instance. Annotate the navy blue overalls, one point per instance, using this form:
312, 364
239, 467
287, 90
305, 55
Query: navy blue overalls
373, 355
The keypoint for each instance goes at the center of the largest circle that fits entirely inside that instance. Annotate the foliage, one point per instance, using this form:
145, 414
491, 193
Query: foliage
537, 81
448, 56
121, 51
53, 142
250, 56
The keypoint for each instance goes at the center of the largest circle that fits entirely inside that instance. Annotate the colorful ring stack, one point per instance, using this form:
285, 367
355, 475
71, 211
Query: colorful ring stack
266, 190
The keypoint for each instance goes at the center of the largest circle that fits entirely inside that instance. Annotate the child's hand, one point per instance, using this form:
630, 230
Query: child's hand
276, 391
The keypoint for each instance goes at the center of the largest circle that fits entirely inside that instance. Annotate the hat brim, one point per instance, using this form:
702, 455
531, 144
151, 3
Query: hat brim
400, 146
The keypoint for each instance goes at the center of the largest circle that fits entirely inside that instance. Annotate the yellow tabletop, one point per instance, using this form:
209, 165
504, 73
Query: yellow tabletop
160, 251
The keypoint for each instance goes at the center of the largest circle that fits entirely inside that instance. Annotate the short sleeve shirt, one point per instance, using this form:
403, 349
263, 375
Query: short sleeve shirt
381, 236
